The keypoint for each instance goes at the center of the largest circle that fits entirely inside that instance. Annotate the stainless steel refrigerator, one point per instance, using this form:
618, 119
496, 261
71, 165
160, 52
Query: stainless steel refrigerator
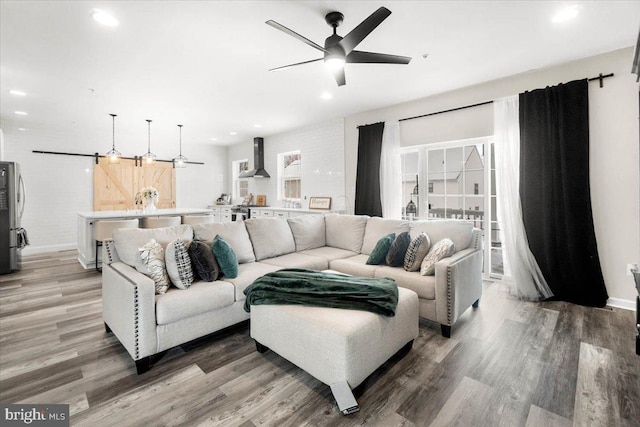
12, 198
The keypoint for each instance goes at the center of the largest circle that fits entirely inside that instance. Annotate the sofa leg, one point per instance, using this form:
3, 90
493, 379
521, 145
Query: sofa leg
446, 331
143, 365
261, 348
107, 328
476, 304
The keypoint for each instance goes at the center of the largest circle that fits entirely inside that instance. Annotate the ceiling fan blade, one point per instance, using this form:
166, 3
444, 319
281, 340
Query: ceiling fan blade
339, 76
351, 40
284, 67
359, 57
292, 33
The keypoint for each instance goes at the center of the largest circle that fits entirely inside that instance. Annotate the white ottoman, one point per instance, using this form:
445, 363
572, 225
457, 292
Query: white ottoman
339, 347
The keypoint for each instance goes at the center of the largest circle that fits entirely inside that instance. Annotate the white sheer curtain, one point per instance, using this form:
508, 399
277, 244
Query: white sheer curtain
521, 269
390, 171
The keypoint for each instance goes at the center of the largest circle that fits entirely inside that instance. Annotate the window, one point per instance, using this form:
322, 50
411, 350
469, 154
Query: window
290, 175
240, 185
460, 185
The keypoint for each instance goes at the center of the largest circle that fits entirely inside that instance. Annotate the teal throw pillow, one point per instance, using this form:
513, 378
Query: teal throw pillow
226, 258
379, 253
395, 256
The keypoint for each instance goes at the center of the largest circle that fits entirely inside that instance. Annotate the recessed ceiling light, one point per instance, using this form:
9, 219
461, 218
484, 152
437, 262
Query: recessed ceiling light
233, 133
257, 126
214, 139
105, 18
17, 92
23, 129
20, 113
326, 95
567, 13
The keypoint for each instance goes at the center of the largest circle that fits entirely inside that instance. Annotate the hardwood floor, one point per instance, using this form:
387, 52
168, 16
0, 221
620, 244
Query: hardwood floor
508, 363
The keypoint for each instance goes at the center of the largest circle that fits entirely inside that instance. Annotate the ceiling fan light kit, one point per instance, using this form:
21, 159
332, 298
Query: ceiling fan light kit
340, 50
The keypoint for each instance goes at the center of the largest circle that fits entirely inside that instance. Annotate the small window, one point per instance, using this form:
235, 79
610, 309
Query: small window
476, 188
290, 176
240, 185
431, 187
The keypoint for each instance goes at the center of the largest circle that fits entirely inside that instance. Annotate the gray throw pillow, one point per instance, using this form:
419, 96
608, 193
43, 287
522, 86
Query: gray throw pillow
395, 256
443, 249
418, 249
203, 262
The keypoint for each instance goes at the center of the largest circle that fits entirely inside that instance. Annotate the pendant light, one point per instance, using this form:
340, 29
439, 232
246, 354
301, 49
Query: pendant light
113, 155
149, 158
180, 161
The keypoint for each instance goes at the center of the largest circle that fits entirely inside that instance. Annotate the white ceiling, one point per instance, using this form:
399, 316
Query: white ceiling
204, 63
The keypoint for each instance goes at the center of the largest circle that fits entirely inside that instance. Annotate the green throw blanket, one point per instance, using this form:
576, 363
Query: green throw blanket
310, 287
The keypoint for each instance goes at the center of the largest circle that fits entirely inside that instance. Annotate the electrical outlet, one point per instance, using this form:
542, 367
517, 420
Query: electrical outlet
630, 267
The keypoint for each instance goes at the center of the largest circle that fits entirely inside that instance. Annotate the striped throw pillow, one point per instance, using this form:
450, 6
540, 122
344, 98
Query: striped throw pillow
418, 249
179, 264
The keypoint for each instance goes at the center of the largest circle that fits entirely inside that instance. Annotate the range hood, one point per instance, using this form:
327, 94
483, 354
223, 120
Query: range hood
258, 161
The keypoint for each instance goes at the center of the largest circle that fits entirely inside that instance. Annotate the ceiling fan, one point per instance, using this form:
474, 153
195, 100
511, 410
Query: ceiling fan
340, 50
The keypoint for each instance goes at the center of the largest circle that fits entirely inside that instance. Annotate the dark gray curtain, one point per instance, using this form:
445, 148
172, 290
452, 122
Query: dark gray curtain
368, 173
554, 190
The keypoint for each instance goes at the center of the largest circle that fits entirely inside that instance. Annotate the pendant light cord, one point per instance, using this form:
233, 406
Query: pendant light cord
149, 136
113, 131
180, 126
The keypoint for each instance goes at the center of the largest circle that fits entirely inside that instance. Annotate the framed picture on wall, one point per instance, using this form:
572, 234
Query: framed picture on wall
320, 203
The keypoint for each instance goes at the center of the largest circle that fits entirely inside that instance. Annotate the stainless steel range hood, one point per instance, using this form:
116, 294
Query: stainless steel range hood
258, 161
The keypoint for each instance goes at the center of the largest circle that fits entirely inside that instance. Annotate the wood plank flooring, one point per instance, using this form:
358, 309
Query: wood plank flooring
508, 363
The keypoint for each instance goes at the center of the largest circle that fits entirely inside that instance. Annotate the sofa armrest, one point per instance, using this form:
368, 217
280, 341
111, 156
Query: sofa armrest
109, 253
128, 308
458, 284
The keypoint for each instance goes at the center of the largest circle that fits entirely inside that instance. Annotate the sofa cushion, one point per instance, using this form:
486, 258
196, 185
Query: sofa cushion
226, 258
128, 240
398, 249
152, 257
201, 297
379, 253
234, 233
442, 249
247, 273
178, 264
379, 227
345, 231
203, 261
459, 231
355, 266
309, 231
270, 237
417, 250
298, 260
329, 253
424, 286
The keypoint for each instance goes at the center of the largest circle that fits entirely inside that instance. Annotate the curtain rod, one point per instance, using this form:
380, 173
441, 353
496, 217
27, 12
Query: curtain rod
600, 78
97, 156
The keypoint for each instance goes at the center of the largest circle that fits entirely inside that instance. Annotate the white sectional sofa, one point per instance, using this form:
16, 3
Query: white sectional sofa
147, 324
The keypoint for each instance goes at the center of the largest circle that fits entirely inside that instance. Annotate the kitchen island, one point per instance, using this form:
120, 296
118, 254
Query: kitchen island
86, 243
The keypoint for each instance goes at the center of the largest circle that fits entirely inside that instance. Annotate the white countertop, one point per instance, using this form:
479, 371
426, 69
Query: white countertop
273, 208
139, 214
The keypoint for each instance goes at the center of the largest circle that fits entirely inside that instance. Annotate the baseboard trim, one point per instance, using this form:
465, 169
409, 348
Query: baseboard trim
622, 303
35, 250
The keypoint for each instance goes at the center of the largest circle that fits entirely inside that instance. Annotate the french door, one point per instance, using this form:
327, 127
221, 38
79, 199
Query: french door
455, 180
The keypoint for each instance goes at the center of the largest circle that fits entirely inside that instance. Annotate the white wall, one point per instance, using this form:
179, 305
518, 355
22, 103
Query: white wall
613, 125
322, 149
57, 187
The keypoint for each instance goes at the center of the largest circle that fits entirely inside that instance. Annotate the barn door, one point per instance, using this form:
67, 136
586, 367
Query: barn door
115, 185
161, 176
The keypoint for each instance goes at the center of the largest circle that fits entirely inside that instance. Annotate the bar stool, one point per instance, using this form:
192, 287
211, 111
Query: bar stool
197, 219
158, 222
103, 230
